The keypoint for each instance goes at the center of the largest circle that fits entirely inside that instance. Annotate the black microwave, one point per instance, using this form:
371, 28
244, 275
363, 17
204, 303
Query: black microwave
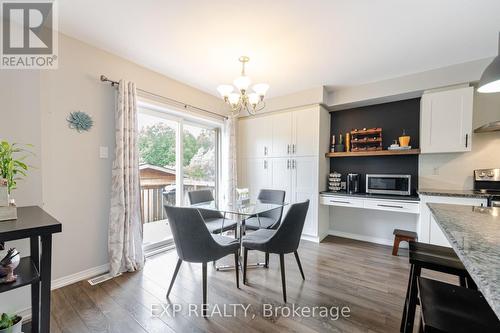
388, 184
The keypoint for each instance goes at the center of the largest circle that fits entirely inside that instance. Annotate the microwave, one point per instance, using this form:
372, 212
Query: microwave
388, 184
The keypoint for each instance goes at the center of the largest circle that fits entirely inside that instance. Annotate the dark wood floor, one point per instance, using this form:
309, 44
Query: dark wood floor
339, 272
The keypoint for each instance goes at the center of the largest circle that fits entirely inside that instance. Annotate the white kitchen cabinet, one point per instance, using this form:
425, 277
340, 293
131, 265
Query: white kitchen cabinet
255, 137
446, 121
281, 134
296, 163
428, 230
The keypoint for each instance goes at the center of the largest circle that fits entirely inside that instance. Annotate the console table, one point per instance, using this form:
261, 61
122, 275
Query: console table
33, 223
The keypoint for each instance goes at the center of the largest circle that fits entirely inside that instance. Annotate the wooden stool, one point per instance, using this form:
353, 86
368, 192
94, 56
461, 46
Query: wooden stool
400, 236
453, 309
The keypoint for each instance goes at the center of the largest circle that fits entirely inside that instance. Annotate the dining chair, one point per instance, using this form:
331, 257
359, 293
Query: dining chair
194, 243
281, 241
216, 221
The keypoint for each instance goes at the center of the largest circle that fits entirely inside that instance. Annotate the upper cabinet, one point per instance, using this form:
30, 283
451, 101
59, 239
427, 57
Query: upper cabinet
255, 137
446, 121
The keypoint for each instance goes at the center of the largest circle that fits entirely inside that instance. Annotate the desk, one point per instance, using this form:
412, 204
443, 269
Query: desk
33, 223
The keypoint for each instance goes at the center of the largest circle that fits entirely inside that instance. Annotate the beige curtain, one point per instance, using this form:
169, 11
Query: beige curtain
229, 160
125, 226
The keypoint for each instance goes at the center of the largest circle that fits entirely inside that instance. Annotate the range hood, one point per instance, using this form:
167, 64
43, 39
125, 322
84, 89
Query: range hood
490, 127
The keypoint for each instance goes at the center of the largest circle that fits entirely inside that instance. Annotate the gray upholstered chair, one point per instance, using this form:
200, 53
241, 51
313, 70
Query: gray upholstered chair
270, 219
194, 243
215, 221
281, 241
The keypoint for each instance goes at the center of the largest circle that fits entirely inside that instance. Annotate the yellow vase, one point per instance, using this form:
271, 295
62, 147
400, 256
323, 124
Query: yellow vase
404, 141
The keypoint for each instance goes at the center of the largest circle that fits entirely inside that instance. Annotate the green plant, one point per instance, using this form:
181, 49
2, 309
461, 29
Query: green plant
12, 169
7, 321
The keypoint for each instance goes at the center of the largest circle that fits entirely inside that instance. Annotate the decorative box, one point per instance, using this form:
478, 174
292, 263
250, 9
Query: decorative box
8, 213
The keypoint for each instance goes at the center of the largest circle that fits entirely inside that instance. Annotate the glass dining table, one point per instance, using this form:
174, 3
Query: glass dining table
240, 212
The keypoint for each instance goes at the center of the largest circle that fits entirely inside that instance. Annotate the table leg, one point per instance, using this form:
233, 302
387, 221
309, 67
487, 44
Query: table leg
45, 277
35, 287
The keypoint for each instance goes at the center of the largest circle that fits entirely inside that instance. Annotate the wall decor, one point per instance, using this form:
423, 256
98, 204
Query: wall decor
80, 121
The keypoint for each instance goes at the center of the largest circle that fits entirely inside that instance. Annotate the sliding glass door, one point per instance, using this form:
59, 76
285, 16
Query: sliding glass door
176, 155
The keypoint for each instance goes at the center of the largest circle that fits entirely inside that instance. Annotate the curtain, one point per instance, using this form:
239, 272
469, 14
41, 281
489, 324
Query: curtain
125, 225
229, 160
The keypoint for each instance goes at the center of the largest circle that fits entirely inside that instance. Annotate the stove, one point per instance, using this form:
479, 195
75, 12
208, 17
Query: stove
488, 181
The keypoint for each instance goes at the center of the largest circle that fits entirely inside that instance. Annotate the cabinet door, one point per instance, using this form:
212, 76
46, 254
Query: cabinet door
304, 185
282, 134
437, 236
306, 132
446, 121
255, 137
281, 176
257, 176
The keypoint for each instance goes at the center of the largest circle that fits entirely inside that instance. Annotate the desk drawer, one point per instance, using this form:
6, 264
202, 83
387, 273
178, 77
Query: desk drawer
393, 206
341, 201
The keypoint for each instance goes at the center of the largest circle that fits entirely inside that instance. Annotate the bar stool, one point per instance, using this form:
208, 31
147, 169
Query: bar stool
437, 258
448, 308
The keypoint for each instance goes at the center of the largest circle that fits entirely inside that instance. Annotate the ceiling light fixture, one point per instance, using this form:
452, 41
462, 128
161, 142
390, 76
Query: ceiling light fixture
252, 102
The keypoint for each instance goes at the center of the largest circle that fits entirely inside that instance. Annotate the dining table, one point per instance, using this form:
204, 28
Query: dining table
240, 212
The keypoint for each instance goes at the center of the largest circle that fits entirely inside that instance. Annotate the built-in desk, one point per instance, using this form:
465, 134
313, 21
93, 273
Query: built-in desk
393, 203
33, 223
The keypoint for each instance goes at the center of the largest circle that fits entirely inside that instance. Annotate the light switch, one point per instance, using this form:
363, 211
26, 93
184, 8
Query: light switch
103, 152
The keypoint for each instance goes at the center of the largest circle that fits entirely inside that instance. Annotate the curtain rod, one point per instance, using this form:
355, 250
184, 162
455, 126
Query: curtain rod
186, 106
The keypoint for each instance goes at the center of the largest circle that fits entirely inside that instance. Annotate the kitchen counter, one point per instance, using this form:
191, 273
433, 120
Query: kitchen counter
474, 233
453, 193
372, 196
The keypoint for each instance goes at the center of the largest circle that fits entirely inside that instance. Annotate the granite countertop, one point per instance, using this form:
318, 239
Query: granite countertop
373, 196
453, 193
474, 233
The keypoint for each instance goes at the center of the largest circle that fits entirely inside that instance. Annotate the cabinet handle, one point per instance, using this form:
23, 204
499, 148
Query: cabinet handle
343, 202
288, 149
288, 164
466, 139
293, 148
265, 151
294, 163
390, 206
265, 164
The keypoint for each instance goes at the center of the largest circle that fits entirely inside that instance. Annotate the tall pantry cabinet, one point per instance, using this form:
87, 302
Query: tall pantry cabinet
286, 151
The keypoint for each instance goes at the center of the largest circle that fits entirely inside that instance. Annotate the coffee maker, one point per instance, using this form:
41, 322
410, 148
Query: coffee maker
353, 183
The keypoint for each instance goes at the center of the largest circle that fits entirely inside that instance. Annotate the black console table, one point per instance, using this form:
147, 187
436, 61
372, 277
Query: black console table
33, 223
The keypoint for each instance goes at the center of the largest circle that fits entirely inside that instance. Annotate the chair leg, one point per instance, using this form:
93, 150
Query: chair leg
177, 266
245, 255
266, 264
412, 301
299, 264
283, 279
237, 269
204, 277
470, 283
403, 318
462, 282
395, 247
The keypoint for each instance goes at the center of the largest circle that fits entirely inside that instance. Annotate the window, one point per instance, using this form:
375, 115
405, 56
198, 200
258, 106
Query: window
171, 164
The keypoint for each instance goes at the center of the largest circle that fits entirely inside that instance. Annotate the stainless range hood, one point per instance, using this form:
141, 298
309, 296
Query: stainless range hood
490, 127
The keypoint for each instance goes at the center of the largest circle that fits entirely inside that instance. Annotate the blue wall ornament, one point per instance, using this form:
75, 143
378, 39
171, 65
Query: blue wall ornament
80, 121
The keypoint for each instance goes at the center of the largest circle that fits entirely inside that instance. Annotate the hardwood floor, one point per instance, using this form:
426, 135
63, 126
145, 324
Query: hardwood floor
339, 272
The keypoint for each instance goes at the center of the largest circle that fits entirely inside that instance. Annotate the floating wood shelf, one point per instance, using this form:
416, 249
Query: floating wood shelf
374, 153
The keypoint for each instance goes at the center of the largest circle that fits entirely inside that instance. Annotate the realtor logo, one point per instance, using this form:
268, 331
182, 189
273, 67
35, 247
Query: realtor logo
29, 36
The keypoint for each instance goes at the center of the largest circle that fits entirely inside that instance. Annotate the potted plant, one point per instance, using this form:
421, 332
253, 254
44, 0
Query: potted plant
12, 169
10, 324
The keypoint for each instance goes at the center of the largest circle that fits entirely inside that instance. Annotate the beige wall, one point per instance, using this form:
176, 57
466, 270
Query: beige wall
71, 181
454, 171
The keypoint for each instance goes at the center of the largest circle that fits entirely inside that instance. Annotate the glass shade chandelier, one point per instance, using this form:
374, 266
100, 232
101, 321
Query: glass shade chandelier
252, 101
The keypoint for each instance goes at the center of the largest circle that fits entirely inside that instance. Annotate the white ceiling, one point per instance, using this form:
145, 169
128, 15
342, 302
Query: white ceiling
293, 45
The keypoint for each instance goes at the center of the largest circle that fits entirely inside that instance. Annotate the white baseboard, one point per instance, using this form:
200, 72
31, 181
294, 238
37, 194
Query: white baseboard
310, 238
80, 276
67, 280
364, 238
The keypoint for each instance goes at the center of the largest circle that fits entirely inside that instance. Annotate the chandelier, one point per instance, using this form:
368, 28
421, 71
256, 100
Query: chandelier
253, 101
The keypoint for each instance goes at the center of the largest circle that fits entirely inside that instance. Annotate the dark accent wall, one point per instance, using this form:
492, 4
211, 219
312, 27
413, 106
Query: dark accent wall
392, 118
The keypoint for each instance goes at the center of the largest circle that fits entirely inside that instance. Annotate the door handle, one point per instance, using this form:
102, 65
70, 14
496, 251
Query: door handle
390, 206
466, 139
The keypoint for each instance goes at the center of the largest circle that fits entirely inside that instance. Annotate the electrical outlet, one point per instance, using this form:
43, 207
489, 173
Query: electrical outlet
103, 152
